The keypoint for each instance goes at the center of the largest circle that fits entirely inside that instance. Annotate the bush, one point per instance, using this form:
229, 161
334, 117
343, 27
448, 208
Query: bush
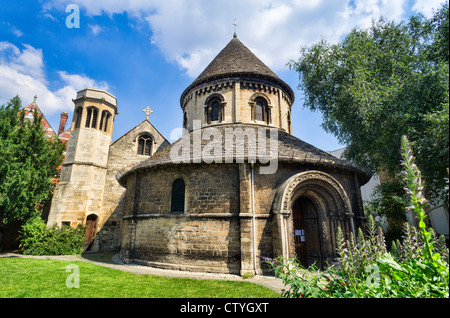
38, 239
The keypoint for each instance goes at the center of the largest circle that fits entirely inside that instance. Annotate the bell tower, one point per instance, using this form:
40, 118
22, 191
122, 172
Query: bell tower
78, 197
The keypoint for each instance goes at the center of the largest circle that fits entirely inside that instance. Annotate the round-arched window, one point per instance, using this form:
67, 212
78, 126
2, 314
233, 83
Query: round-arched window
178, 195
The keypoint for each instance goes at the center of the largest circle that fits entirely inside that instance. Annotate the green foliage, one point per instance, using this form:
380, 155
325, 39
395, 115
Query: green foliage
383, 202
38, 239
28, 162
418, 266
301, 283
380, 83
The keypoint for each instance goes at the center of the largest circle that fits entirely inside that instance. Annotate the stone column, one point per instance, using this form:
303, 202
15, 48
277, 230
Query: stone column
245, 215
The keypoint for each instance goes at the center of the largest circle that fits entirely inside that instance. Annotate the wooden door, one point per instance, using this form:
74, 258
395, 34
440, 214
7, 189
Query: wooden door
91, 222
299, 233
306, 233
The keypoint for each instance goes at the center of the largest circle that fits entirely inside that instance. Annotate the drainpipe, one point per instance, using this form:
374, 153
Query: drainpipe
253, 215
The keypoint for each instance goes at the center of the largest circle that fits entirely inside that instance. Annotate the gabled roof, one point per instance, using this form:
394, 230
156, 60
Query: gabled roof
145, 121
237, 60
48, 130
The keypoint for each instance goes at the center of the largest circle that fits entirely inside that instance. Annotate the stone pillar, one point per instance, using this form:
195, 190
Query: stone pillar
237, 102
245, 215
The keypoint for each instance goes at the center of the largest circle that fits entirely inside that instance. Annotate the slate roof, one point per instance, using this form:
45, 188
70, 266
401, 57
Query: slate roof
290, 149
237, 60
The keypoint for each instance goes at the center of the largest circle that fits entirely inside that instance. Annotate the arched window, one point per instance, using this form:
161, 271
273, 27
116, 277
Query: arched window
106, 115
184, 119
214, 111
178, 196
289, 122
215, 107
261, 111
145, 145
91, 117
78, 113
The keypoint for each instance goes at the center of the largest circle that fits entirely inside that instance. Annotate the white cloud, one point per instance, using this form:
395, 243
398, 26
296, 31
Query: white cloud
17, 32
80, 82
95, 28
22, 73
427, 6
190, 33
51, 17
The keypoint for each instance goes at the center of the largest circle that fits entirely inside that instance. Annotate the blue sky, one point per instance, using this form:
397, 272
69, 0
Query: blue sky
146, 52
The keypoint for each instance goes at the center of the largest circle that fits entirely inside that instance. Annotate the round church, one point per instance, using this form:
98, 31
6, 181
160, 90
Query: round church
237, 186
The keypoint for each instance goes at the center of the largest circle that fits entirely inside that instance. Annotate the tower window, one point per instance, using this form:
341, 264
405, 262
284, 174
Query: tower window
91, 117
106, 115
214, 111
78, 113
145, 145
261, 111
184, 119
178, 196
289, 122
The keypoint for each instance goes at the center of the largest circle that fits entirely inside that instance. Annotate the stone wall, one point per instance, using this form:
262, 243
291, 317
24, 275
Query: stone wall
122, 154
208, 244
215, 233
238, 94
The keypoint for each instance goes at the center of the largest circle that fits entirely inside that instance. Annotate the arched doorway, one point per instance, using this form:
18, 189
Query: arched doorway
91, 223
325, 206
306, 232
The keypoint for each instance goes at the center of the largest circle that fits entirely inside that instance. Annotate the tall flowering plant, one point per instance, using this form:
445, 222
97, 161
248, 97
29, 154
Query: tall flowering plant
414, 189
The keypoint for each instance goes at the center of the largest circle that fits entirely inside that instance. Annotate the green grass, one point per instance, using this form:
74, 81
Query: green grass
45, 278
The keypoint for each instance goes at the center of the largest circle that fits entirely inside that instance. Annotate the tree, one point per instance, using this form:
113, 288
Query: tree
380, 83
28, 162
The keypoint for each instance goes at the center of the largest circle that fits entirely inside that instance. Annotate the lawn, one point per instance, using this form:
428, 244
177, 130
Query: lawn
45, 278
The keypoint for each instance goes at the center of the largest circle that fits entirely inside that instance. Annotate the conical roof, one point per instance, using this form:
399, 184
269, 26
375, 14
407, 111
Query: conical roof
237, 60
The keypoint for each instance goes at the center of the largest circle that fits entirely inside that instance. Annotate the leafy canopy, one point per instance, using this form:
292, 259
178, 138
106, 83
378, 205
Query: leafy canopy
28, 162
380, 83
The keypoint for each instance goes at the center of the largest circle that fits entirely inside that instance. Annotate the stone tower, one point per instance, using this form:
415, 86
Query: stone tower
78, 196
237, 88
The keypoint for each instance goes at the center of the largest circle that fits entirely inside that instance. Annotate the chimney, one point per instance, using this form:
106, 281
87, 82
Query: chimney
62, 123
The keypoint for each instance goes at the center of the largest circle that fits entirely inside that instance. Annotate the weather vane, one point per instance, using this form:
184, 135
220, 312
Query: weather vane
147, 112
235, 27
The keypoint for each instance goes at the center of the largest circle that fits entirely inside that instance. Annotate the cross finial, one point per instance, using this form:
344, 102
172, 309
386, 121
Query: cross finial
235, 28
147, 112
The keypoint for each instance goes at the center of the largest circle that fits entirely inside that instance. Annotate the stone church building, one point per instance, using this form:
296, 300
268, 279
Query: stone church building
236, 187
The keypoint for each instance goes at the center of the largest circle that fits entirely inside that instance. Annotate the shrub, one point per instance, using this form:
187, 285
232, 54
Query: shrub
38, 239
